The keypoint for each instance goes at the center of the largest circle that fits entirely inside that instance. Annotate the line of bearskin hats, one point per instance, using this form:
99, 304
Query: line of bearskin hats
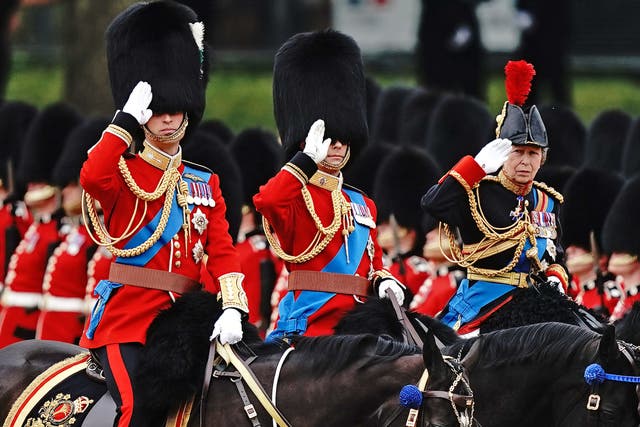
605, 140
619, 232
208, 150
15, 118
415, 114
568, 134
44, 142
361, 174
320, 75
402, 180
521, 124
74, 153
160, 42
588, 197
259, 155
386, 116
459, 125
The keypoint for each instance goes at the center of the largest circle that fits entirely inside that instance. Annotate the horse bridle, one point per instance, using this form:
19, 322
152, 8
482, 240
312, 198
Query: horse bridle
463, 404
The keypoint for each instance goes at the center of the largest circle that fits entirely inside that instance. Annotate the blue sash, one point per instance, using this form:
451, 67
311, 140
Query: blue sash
105, 288
468, 301
294, 312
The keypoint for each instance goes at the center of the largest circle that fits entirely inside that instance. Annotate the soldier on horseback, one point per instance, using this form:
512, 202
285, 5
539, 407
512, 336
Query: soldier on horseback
326, 230
507, 223
161, 215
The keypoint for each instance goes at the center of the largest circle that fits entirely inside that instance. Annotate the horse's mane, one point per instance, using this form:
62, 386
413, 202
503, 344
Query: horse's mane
543, 343
332, 354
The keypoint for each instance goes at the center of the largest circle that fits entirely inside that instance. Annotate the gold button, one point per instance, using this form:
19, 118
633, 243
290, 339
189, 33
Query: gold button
177, 264
178, 254
176, 237
176, 244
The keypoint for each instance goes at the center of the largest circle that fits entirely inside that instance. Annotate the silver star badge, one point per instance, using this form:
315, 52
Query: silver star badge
551, 248
198, 252
199, 221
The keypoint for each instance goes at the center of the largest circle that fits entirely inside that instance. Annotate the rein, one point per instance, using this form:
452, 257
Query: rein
409, 333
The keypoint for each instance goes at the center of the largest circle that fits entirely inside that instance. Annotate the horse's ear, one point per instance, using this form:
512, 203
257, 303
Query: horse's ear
431, 354
608, 348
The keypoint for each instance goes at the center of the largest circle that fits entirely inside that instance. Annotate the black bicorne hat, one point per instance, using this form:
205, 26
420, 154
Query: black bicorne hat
80, 140
320, 75
162, 43
588, 197
519, 124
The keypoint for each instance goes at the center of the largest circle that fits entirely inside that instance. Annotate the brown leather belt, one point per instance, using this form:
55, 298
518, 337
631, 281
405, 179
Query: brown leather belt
328, 282
152, 279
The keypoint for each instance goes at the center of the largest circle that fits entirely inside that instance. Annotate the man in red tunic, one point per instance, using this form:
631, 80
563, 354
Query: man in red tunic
326, 230
23, 293
161, 215
65, 280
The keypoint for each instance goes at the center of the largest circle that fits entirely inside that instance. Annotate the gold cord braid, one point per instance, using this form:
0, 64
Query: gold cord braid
522, 228
170, 181
341, 209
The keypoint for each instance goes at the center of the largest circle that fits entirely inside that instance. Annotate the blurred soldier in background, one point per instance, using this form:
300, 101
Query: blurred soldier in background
23, 293
65, 280
589, 195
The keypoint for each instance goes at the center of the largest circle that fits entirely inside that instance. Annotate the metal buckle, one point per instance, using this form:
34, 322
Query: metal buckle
412, 418
251, 411
593, 402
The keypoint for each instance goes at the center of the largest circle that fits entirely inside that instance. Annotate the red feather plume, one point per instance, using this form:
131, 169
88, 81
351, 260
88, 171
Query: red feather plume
518, 81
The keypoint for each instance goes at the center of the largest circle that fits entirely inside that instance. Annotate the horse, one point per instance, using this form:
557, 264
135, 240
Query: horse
534, 376
325, 381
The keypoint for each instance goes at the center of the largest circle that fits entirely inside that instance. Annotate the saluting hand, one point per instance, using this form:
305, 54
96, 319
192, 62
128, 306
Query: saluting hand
493, 155
314, 146
138, 103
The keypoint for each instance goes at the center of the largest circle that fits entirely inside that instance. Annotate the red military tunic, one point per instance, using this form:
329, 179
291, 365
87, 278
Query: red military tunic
413, 273
130, 310
281, 202
21, 220
437, 290
631, 295
65, 281
589, 296
24, 280
253, 252
97, 270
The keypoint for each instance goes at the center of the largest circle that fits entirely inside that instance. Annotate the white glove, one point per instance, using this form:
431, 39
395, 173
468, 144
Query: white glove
138, 103
553, 280
228, 326
395, 288
493, 155
314, 146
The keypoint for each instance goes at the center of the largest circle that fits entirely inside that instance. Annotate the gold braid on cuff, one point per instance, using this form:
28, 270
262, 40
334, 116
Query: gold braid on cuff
233, 295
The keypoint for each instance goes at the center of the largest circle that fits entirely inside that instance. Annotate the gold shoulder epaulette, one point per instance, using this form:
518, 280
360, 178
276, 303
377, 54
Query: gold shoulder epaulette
556, 194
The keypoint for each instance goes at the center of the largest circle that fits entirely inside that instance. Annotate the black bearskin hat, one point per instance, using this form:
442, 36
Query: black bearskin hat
44, 141
402, 180
605, 140
568, 134
631, 151
362, 172
320, 75
207, 150
80, 140
386, 116
415, 115
15, 117
217, 128
459, 125
259, 155
587, 198
157, 42
619, 232
520, 125
373, 94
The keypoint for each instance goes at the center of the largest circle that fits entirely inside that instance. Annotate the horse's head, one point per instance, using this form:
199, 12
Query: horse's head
443, 396
610, 391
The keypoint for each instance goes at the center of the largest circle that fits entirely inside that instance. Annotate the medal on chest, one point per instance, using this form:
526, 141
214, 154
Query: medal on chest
199, 221
544, 223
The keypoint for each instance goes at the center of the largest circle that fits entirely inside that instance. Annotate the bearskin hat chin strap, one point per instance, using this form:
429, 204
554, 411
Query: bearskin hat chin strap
336, 168
167, 139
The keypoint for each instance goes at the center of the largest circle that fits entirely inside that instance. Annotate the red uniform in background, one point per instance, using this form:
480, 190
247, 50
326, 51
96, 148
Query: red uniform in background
23, 292
412, 273
65, 281
436, 291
